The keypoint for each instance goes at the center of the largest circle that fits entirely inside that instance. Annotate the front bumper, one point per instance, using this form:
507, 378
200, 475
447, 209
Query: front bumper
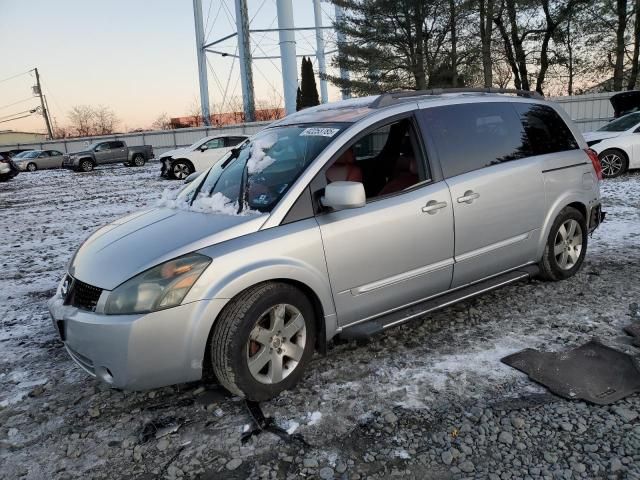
166, 167
137, 352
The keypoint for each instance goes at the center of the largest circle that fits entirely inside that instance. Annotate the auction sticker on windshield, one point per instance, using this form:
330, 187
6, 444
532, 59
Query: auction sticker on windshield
319, 132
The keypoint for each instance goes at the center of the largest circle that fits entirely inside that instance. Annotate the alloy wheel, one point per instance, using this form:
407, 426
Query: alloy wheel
180, 171
276, 344
32, 167
568, 244
611, 164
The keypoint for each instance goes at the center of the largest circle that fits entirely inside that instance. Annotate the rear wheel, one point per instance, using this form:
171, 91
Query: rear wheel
181, 169
566, 246
614, 163
86, 165
32, 167
139, 161
263, 340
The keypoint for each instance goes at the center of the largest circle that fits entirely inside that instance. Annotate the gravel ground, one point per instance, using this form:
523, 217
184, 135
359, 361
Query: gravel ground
429, 400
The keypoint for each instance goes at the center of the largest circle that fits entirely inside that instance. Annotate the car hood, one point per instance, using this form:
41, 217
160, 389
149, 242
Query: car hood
590, 136
135, 243
81, 152
173, 153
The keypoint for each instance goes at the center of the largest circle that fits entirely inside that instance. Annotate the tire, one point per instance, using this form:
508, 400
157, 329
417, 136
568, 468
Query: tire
32, 167
181, 169
138, 161
614, 162
86, 165
248, 332
566, 246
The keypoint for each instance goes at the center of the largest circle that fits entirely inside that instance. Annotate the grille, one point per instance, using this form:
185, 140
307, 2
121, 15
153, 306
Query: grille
82, 295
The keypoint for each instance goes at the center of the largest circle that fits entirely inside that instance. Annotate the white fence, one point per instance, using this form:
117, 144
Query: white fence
589, 112
161, 140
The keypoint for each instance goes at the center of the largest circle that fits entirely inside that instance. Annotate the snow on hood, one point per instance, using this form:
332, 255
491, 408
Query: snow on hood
135, 243
590, 136
216, 203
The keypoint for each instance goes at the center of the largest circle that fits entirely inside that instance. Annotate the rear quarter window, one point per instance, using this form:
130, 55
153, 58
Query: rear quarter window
471, 136
545, 129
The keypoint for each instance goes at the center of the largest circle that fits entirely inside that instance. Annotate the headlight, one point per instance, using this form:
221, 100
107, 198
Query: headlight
163, 286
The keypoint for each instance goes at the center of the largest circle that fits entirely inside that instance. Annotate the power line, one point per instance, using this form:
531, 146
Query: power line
17, 118
15, 103
33, 110
15, 76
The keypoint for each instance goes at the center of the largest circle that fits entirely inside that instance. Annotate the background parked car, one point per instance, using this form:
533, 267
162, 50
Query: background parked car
102, 153
617, 144
625, 102
8, 169
38, 160
179, 164
15, 151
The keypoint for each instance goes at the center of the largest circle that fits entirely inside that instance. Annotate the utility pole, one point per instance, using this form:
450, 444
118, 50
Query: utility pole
287, 36
202, 62
45, 114
244, 52
322, 69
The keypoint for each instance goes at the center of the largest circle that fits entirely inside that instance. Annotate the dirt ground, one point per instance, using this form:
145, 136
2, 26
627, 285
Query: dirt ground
429, 400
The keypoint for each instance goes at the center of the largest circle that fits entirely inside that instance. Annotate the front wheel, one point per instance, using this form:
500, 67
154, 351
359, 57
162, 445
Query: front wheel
263, 340
86, 166
139, 161
32, 167
181, 170
566, 245
614, 163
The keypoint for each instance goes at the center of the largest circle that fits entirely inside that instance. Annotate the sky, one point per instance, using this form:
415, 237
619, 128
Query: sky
136, 57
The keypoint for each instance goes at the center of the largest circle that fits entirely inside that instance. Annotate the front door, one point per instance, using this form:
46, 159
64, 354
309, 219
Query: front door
103, 153
398, 248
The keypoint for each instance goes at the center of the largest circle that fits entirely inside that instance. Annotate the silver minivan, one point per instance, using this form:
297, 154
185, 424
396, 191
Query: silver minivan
344, 219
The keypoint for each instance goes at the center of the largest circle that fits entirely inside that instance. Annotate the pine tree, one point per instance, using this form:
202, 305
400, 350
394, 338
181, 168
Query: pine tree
307, 95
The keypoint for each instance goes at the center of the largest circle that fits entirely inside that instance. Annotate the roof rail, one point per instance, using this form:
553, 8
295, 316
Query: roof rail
386, 99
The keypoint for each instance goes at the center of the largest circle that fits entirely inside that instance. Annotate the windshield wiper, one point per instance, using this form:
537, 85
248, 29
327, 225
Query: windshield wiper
243, 187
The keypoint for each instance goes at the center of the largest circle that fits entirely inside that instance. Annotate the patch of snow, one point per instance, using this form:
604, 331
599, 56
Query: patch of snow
401, 453
314, 418
259, 160
216, 203
292, 427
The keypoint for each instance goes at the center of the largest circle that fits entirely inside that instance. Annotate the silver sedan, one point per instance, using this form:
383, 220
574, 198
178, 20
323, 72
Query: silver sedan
38, 160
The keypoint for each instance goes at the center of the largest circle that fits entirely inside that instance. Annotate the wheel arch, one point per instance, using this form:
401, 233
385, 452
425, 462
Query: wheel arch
310, 294
571, 199
173, 161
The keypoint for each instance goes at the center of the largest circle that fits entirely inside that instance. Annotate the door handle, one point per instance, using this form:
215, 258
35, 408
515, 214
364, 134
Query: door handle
468, 197
432, 207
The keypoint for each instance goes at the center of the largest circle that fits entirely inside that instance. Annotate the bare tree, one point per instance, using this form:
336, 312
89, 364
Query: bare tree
81, 118
162, 122
486, 34
635, 60
104, 120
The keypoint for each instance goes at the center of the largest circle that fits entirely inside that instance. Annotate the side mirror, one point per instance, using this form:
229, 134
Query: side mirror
192, 177
344, 195
203, 147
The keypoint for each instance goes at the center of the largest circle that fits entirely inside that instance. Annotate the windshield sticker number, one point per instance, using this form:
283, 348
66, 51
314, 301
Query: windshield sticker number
319, 132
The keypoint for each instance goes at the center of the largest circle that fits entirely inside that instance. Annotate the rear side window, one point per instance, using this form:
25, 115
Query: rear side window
233, 141
115, 145
471, 136
546, 131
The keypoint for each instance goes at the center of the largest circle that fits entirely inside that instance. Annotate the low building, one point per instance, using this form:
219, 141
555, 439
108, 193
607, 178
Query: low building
226, 118
10, 137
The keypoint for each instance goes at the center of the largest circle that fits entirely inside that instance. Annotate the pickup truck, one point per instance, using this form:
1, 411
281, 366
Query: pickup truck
105, 152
